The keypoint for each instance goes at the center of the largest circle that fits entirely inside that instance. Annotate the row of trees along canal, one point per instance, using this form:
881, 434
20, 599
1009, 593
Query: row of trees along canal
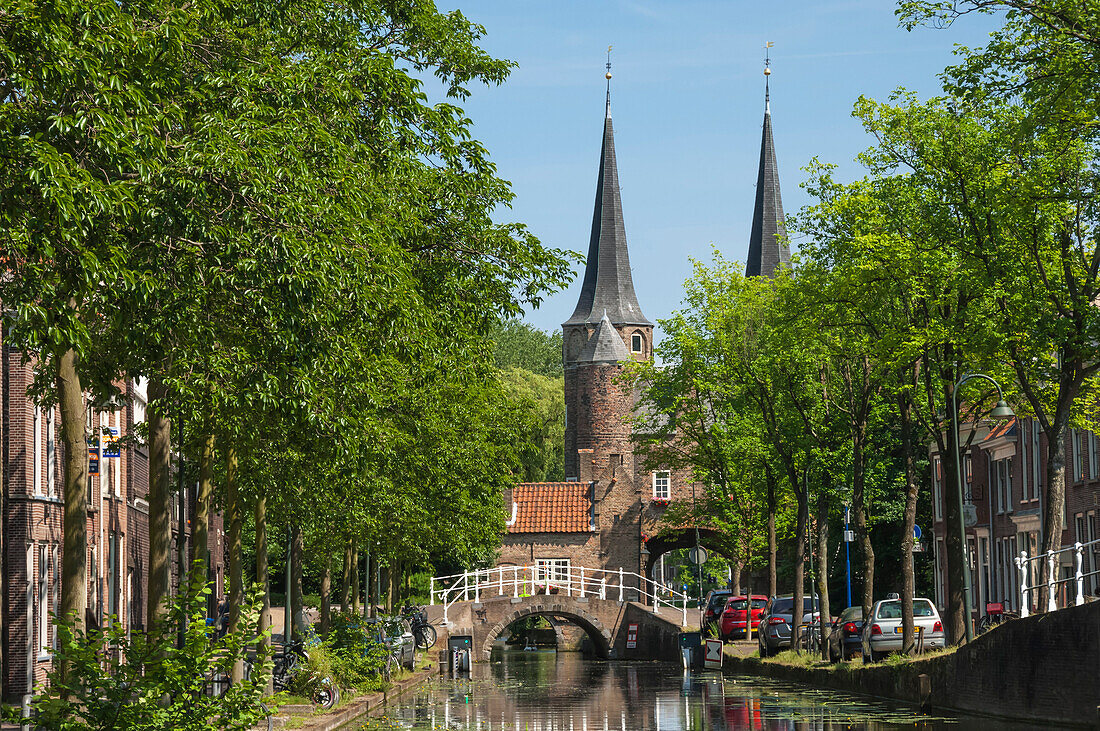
969, 246
257, 207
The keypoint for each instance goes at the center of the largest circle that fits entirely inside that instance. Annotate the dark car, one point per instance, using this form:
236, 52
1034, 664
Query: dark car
775, 623
845, 640
713, 606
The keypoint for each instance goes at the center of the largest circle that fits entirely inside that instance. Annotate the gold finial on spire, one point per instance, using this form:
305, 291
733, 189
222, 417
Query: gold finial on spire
767, 58
608, 74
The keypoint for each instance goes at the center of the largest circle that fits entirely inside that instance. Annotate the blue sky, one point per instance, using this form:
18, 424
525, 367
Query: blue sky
687, 98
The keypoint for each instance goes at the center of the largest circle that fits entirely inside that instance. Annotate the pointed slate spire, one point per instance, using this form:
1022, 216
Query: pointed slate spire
608, 285
768, 247
605, 345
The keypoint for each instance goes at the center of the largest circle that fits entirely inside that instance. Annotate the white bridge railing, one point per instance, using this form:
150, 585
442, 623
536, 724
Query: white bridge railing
574, 581
1024, 564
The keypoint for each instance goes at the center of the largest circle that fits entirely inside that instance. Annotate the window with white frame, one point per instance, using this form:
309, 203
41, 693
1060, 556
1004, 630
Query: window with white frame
937, 487
36, 460
51, 455
1036, 454
637, 343
1023, 434
969, 471
1093, 461
43, 599
552, 570
662, 485
140, 399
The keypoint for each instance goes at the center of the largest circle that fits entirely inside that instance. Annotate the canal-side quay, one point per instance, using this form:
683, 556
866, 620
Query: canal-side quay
1044, 668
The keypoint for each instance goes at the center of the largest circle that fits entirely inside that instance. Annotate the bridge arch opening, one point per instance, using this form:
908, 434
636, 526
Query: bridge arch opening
561, 620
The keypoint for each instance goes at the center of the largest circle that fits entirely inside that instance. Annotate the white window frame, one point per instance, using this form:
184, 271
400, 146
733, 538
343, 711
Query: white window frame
36, 447
662, 484
1025, 425
937, 487
43, 600
1036, 461
639, 339
552, 571
51, 455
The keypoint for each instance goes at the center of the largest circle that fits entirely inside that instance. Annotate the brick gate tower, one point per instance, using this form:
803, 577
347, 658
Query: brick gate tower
606, 328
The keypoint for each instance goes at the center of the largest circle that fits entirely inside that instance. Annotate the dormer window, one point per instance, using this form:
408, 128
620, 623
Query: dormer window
637, 343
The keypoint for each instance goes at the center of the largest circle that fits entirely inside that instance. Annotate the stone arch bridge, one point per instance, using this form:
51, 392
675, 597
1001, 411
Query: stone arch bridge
603, 604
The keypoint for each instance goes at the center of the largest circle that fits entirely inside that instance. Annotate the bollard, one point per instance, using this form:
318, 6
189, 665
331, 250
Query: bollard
920, 640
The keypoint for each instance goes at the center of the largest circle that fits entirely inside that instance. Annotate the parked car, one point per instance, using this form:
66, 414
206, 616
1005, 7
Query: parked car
735, 615
883, 629
776, 620
713, 605
846, 635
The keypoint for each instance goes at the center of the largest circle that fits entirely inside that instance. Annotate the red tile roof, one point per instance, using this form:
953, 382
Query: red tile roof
1001, 429
552, 507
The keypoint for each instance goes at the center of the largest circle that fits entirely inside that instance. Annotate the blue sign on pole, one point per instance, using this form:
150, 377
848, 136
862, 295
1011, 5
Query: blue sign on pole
110, 444
916, 533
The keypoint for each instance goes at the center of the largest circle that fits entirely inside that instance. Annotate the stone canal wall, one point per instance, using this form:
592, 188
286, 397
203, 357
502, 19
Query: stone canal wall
1043, 668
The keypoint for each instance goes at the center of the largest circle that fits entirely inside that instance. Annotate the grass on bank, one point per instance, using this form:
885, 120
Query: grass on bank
813, 661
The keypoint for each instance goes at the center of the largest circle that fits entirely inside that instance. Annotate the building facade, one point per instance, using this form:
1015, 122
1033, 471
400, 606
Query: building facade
1004, 478
606, 513
117, 523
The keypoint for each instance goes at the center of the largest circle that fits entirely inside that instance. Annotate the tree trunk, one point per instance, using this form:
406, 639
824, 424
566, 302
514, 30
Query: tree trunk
735, 576
234, 544
822, 535
912, 490
160, 531
859, 483
345, 578
297, 610
74, 557
355, 593
1054, 499
263, 643
801, 539
773, 548
200, 529
326, 597
955, 620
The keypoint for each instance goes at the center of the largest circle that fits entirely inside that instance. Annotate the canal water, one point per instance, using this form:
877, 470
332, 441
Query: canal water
551, 691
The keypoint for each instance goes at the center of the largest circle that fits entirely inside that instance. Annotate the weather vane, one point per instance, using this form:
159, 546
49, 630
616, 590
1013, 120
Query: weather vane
767, 73
607, 107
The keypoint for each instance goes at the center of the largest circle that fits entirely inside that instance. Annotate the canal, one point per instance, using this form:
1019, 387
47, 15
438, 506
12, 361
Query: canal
551, 691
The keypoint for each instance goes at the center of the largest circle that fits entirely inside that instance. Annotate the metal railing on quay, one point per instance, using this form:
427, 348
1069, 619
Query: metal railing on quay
1025, 565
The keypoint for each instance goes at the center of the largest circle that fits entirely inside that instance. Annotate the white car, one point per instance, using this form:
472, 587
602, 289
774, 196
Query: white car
883, 632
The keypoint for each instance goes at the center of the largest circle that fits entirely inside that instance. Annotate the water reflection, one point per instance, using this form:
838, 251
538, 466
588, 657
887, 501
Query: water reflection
548, 691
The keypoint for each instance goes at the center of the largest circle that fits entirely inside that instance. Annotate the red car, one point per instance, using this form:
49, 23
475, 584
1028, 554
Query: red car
735, 614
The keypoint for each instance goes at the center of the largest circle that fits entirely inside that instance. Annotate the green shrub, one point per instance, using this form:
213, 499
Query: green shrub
144, 682
357, 658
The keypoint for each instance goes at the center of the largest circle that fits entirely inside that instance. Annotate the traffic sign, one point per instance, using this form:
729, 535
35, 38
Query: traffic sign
697, 555
916, 532
849, 536
712, 660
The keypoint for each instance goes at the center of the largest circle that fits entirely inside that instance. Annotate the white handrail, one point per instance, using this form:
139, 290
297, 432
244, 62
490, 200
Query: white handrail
578, 581
1023, 563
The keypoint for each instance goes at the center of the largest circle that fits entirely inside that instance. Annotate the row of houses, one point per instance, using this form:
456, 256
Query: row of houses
117, 525
1003, 503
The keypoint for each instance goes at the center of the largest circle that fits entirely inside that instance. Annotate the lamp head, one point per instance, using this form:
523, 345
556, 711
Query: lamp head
1002, 411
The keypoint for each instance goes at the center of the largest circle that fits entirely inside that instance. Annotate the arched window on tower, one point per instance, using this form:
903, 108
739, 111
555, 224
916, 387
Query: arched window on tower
637, 343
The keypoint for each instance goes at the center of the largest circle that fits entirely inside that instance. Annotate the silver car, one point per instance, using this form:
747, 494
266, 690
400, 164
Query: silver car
883, 632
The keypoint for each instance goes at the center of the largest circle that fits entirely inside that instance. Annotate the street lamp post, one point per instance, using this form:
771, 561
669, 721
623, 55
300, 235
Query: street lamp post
1000, 411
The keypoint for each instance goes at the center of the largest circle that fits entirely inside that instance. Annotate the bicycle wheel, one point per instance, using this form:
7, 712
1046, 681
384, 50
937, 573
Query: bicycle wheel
984, 624
426, 637
268, 717
326, 694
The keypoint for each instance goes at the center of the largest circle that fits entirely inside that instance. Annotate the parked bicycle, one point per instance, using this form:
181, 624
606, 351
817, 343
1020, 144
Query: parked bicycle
423, 632
995, 613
